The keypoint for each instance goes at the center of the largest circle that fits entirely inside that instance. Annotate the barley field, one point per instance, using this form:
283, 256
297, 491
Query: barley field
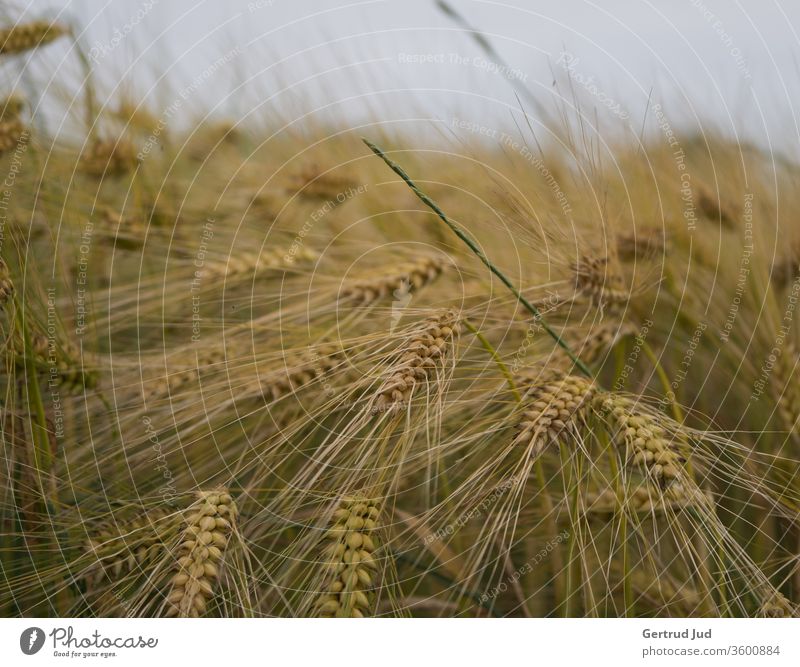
303, 370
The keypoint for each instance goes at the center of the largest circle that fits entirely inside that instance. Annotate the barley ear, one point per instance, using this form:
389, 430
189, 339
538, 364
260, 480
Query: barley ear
209, 524
26, 36
351, 578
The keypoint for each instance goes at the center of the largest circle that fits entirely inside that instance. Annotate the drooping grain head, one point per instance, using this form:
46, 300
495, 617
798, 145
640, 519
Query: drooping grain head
785, 271
12, 131
643, 499
599, 342
209, 524
777, 606
550, 409
641, 244
127, 547
11, 107
25, 36
597, 280
552, 369
299, 370
712, 207
646, 442
352, 569
112, 157
316, 185
62, 361
664, 593
785, 386
420, 358
396, 281
249, 264
6, 285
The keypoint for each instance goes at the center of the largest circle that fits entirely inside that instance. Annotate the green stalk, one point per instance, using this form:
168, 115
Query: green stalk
496, 357
537, 316
574, 564
42, 456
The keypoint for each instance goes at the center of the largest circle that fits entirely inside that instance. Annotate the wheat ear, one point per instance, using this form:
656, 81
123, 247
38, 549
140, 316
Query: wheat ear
646, 243
777, 606
714, 209
11, 131
300, 370
6, 284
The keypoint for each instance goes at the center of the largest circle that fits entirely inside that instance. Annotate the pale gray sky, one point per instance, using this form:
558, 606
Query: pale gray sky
731, 63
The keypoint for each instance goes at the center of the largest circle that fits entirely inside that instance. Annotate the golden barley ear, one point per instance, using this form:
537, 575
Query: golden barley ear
124, 548
410, 276
12, 131
26, 36
110, 157
645, 440
644, 499
11, 108
598, 281
351, 578
420, 357
210, 523
550, 409
777, 606
641, 244
314, 184
6, 284
712, 207
300, 370
597, 344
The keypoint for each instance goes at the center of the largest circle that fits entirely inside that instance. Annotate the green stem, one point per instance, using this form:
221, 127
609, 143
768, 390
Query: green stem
621, 492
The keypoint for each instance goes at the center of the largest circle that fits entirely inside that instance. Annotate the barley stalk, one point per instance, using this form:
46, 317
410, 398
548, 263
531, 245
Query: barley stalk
550, 409
352, 566
645, 440
396, 281
421, 356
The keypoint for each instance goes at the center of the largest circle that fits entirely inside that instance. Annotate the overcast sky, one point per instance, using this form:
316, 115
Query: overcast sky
730, 63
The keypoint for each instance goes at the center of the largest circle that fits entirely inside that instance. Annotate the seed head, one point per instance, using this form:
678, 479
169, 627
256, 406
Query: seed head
25, 36
351, 565
209, 524
551, 409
